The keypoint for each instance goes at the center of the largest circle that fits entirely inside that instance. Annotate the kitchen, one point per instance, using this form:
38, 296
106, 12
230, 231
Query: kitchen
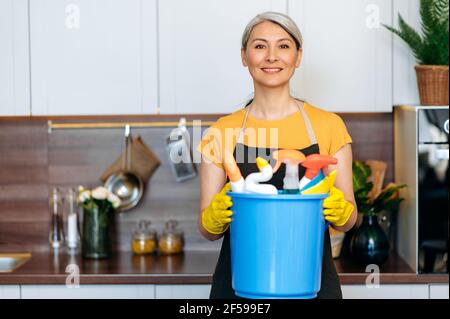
75, 73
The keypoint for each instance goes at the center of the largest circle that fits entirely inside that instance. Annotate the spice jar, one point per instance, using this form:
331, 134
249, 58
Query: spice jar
172, 239
144, 239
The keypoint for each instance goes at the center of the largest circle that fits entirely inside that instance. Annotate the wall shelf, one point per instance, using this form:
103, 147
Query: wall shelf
121, 125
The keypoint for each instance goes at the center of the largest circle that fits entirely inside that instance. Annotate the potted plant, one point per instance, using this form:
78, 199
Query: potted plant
430, 50
369, 244
99, 207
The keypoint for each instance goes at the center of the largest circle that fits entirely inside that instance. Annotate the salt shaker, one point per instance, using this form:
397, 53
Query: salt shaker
72, 226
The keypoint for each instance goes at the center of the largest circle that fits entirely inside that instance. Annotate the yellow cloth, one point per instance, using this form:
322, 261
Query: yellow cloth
330, 130
323, 187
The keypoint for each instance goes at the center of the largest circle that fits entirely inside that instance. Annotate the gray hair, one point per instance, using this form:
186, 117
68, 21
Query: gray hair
281, 19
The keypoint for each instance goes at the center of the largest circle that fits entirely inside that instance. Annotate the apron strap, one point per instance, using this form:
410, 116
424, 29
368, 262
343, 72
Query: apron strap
309, 129
241, 132
312, 136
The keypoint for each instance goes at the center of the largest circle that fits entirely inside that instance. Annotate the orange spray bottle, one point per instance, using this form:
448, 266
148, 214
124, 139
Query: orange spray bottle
237, 182
313, 164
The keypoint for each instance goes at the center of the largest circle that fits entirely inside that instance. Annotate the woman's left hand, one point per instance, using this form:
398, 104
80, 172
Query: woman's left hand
337, 210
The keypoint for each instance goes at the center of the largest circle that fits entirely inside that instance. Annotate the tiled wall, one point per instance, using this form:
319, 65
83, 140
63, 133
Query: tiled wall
32, 161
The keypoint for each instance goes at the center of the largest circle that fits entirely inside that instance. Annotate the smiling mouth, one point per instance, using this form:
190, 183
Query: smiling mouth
271, 70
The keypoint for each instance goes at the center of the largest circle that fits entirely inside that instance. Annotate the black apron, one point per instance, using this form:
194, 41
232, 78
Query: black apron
221, 285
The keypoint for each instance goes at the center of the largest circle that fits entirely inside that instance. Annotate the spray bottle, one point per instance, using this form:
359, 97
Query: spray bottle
292, 159
234, 174
323, 187
313, 164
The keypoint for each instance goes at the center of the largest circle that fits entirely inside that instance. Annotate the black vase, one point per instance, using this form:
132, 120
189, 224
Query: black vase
97, 232
370, 244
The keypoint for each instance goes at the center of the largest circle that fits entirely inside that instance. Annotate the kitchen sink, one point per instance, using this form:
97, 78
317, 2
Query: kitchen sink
11, 261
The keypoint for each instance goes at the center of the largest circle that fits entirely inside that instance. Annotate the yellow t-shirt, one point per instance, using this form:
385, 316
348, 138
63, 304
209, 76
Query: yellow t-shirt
287, 133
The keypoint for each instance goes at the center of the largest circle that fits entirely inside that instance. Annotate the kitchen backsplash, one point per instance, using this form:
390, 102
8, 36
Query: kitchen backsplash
32, 161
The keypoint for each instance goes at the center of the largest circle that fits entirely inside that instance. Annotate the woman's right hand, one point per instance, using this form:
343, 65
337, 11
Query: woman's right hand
216, 218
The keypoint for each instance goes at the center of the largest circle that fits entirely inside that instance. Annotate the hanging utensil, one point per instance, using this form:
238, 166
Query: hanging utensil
124, 183
178, 150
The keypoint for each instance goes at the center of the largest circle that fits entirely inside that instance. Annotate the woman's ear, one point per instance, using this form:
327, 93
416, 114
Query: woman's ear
244, 58
299, 58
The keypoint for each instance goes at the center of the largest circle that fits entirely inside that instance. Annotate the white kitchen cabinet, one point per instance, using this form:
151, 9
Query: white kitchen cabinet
182, 291
14, 58
9, 292
439, 291
406, 91
385, 292
93, 57
88, 292
200, 63
347, 54
201, 291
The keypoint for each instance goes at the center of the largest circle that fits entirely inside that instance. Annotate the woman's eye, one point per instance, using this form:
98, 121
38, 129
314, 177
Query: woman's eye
259, 46
284, 46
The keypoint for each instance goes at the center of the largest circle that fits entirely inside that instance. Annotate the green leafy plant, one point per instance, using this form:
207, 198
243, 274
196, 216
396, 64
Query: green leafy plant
388, 199
430, 48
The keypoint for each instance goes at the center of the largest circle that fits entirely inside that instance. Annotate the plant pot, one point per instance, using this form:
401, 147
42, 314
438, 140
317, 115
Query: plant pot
433, 84
370, 244
97, 232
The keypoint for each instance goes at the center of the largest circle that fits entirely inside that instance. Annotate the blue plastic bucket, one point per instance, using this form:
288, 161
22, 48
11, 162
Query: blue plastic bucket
277, 245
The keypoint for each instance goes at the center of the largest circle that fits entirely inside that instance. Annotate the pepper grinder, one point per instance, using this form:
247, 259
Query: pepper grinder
56, 236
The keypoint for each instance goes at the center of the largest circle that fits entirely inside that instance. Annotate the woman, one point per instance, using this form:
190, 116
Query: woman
272, 50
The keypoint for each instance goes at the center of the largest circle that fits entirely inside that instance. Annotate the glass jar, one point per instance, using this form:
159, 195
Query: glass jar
172, 239
144, 239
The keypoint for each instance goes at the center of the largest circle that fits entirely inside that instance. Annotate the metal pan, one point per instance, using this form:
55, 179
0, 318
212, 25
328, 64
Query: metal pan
125, 184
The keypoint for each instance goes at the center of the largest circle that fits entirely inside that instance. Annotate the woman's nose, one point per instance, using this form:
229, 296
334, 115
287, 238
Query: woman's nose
272, 55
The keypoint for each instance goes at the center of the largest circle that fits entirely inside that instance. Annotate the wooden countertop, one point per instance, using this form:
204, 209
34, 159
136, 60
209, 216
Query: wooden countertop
192, 267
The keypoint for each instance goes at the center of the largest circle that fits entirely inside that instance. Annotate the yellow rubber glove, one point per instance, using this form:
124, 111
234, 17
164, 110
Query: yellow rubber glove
216, 218
336, 209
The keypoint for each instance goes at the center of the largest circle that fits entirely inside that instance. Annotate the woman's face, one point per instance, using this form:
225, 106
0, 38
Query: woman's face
271, 55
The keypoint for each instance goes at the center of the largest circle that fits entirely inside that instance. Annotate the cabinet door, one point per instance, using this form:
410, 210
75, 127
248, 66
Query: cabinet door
385, 292
347, 54
14, 58
438, 291
88, 292
182, 291
9, 292
200, 60
93, 57
406, 91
